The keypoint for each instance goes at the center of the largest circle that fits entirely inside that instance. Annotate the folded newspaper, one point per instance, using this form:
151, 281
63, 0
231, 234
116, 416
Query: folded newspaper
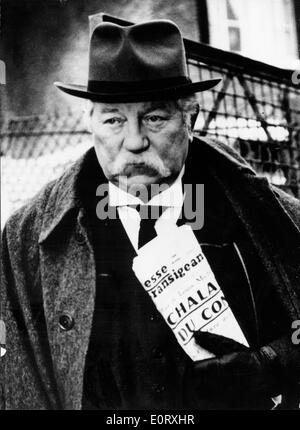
176, 274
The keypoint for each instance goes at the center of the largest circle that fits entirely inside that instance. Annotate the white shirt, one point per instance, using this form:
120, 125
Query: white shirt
172, 198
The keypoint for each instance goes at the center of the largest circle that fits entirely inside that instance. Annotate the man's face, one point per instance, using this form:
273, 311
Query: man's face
145, 143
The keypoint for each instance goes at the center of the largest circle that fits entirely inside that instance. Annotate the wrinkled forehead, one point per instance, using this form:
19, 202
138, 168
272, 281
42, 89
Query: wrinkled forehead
138, 107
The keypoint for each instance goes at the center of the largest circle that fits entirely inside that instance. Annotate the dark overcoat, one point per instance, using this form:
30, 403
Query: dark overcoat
48, 271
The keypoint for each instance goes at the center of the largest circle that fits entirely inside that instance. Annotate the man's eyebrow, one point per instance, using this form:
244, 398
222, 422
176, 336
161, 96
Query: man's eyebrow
158, 105
108, 109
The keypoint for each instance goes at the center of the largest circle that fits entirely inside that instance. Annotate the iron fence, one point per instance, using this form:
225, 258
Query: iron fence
255, 109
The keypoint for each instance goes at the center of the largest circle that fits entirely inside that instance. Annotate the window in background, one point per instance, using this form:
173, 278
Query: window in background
233, 22
262, 29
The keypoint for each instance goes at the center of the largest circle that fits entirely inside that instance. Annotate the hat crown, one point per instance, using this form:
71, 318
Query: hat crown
142, 52
135, 63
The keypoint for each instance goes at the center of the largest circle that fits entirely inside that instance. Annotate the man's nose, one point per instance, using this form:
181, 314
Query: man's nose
135, 139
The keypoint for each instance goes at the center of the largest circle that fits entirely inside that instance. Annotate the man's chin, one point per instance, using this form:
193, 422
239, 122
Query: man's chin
139, 180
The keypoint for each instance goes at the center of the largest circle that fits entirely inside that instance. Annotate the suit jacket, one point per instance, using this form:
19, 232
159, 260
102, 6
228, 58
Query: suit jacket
47, 298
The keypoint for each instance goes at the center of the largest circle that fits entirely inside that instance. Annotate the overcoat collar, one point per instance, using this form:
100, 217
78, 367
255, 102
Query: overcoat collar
67, 195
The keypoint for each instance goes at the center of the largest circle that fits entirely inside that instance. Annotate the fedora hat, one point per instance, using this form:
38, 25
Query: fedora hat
139, 62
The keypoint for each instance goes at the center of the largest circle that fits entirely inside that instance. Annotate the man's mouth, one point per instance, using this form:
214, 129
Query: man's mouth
135, 169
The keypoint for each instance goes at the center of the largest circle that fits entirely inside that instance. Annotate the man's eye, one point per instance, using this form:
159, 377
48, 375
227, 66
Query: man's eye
113, 121
155, 119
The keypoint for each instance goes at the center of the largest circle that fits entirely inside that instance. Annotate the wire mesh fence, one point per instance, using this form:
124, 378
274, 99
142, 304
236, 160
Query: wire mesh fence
34, 151
255, 109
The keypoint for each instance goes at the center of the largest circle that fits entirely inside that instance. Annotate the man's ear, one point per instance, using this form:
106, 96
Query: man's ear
194, 117
88, 112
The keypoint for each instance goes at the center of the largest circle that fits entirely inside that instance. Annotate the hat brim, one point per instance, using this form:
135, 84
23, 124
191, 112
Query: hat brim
138, 96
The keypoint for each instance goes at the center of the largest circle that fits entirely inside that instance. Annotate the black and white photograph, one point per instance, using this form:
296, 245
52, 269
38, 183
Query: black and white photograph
150, 207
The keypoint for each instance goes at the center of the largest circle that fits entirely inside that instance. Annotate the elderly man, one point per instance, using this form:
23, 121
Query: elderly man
82, 333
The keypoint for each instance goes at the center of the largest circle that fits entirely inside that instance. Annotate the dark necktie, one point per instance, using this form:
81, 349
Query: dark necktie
149, 216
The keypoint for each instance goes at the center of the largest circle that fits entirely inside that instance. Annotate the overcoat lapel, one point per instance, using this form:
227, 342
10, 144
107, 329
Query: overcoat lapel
272, 231
68, 279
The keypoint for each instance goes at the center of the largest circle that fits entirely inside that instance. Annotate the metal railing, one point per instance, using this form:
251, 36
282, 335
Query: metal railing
255, 109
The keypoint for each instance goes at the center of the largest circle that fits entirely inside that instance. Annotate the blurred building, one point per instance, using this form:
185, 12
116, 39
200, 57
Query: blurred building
47, 40
266, 30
